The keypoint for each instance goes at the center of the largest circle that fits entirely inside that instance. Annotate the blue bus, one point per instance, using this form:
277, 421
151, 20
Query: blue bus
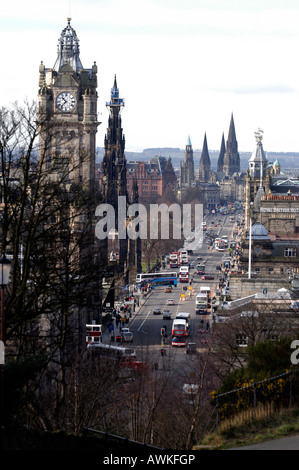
161, 278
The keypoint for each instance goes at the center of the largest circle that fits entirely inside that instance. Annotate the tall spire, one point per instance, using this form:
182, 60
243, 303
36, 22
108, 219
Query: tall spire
114, 165
205, 163
187, 167
232, 145
231, 160
68, 49
115, 101
221, 155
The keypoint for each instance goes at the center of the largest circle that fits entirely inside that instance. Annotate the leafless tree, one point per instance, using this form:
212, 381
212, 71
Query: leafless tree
47, 231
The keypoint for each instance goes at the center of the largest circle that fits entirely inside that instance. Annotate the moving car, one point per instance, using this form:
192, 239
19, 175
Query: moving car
166, 315
124, 330
167, 290
170, 302
207, 276
127, 337
191, 348
156, 311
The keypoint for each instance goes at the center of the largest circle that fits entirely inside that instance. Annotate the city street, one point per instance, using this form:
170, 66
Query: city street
146, 325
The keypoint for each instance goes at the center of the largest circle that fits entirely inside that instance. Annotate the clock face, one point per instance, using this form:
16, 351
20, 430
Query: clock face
65, 101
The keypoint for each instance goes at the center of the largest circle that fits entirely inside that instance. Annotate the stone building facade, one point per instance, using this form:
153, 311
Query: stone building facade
67, 108
152, 177
187, 174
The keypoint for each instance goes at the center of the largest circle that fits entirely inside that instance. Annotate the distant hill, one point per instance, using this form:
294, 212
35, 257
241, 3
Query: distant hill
286, 159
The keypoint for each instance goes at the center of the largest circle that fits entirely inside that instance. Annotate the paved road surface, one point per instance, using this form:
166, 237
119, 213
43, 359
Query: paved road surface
285, 443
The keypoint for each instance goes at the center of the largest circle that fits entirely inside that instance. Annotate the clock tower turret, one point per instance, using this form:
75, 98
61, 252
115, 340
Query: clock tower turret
67, 102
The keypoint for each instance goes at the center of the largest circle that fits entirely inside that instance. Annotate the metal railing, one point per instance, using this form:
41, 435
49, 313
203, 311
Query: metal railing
256, 399
124, 440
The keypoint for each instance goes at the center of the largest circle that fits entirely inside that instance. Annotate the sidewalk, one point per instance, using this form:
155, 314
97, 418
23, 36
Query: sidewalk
107, 334
285, 443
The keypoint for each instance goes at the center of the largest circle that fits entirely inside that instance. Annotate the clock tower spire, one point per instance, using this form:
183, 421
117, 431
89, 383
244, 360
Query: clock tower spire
67, 101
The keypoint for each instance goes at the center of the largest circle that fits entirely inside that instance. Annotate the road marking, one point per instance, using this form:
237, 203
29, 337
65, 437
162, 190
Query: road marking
144, 319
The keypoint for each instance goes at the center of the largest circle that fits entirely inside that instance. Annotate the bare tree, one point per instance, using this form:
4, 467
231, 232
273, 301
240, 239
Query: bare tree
47, 230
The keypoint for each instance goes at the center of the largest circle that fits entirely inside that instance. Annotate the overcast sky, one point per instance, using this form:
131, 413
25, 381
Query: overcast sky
183, 66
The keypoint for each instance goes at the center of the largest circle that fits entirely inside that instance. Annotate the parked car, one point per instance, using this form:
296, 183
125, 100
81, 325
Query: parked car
127, 337
207, 276
157, 311
170, 302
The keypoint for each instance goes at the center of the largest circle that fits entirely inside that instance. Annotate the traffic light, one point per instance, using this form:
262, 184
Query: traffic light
163, 352
162, 331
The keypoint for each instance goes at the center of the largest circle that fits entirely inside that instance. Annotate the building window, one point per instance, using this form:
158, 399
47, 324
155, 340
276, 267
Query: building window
257, 271
270, 270
241, 340
290, 252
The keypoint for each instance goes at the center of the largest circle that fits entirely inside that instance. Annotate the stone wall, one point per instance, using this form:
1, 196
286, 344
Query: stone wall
241, 286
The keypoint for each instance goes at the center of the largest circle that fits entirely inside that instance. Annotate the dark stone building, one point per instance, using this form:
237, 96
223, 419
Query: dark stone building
187, 176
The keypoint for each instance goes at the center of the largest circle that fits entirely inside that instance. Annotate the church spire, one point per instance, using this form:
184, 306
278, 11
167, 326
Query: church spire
221, 155
187, 167
232, 144
231, 160
205, 163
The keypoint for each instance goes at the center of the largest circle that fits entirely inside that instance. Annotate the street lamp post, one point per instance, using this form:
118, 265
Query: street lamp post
5, 265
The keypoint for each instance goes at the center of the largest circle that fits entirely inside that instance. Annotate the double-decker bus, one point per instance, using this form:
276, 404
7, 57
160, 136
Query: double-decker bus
201, 303
184, 274
205, 290
162, 278
174, 260
184, 257
201, 269
120, 355
179, 332
93, 333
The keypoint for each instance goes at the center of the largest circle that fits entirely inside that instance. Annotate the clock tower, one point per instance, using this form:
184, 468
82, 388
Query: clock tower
67, 109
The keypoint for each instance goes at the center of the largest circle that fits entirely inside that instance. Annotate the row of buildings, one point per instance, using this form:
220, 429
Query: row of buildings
155, 176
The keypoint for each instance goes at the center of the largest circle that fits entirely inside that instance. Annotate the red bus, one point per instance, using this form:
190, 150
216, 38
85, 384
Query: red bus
184, 274
93, 333
122, 355
174, 260
179, 332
